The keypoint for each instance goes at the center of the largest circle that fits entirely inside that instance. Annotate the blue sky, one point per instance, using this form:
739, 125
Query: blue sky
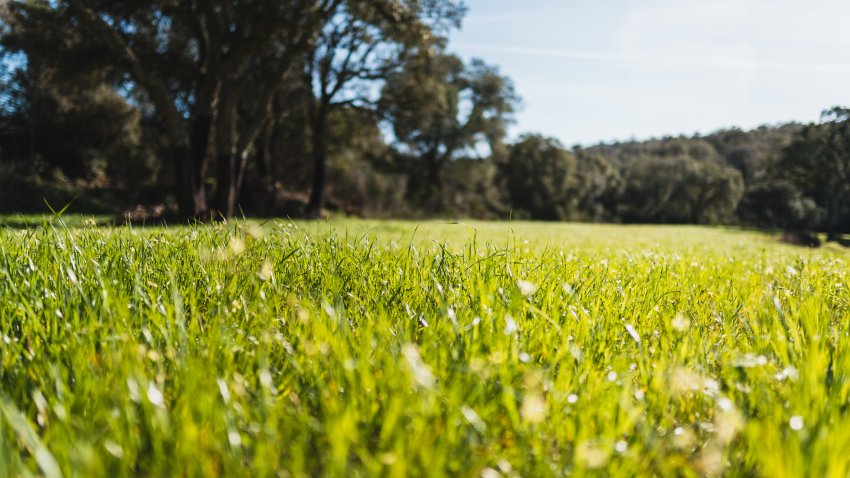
601, 70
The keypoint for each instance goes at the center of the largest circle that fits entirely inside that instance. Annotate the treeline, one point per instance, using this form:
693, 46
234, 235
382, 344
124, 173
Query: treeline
245, 103
793, 177
205, 109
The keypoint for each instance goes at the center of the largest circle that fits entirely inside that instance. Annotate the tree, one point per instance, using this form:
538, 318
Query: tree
778, 204
358, 47
541, 179
190, 60
60, 107
211, 69
752, 152
818, 163
601, 186
441, 110
680, 189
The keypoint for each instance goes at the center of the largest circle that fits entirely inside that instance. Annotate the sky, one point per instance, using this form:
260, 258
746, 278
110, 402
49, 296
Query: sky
604, 70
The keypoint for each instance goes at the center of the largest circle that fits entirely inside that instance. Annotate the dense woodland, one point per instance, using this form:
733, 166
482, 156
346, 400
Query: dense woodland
204, 109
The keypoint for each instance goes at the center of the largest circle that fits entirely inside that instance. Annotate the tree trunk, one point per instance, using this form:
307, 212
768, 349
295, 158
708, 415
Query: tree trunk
263, 156
434, 174
834, 216
190, 164
232, 161
262, 188
226, 188
199, 140
33, 114
697, 210
434, 190
314, 207
191, 196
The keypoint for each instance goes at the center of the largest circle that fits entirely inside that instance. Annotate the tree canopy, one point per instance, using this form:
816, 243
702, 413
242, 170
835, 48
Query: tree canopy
305, 107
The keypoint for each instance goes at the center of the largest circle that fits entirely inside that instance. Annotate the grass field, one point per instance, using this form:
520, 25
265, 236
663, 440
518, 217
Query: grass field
393, 349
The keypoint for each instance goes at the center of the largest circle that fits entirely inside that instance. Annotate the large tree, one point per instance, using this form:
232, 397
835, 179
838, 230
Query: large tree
211, 69
441, 109
679, 189
190, 60
601, 186
818, 163
541, 179
357, 48
59, 107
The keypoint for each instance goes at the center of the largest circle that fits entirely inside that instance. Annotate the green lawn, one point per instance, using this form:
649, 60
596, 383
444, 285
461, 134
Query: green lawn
357, 348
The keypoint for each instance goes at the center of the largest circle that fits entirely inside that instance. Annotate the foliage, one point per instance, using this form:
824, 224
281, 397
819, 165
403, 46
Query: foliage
356, 50
817, 162
601, 187
325, 106
442, 110
778, 204
209, 71
541, 178
680, 189
62, 111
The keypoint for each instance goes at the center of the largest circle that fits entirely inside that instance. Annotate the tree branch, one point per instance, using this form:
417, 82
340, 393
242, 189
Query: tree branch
155, 88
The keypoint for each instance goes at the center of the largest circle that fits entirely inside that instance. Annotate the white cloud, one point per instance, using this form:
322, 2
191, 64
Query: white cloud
657, 59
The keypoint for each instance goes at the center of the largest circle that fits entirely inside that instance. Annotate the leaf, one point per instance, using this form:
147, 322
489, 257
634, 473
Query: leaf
30, 439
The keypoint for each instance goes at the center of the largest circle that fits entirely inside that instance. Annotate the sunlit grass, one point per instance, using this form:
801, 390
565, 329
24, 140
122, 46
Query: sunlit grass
388, 348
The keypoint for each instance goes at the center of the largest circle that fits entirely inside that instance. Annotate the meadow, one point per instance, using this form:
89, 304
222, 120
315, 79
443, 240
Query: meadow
354, 348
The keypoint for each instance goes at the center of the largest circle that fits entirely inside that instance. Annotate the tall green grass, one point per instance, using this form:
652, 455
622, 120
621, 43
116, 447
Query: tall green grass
391, 349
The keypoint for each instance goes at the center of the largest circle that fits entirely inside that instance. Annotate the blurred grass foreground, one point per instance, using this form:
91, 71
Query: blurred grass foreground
355, 348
